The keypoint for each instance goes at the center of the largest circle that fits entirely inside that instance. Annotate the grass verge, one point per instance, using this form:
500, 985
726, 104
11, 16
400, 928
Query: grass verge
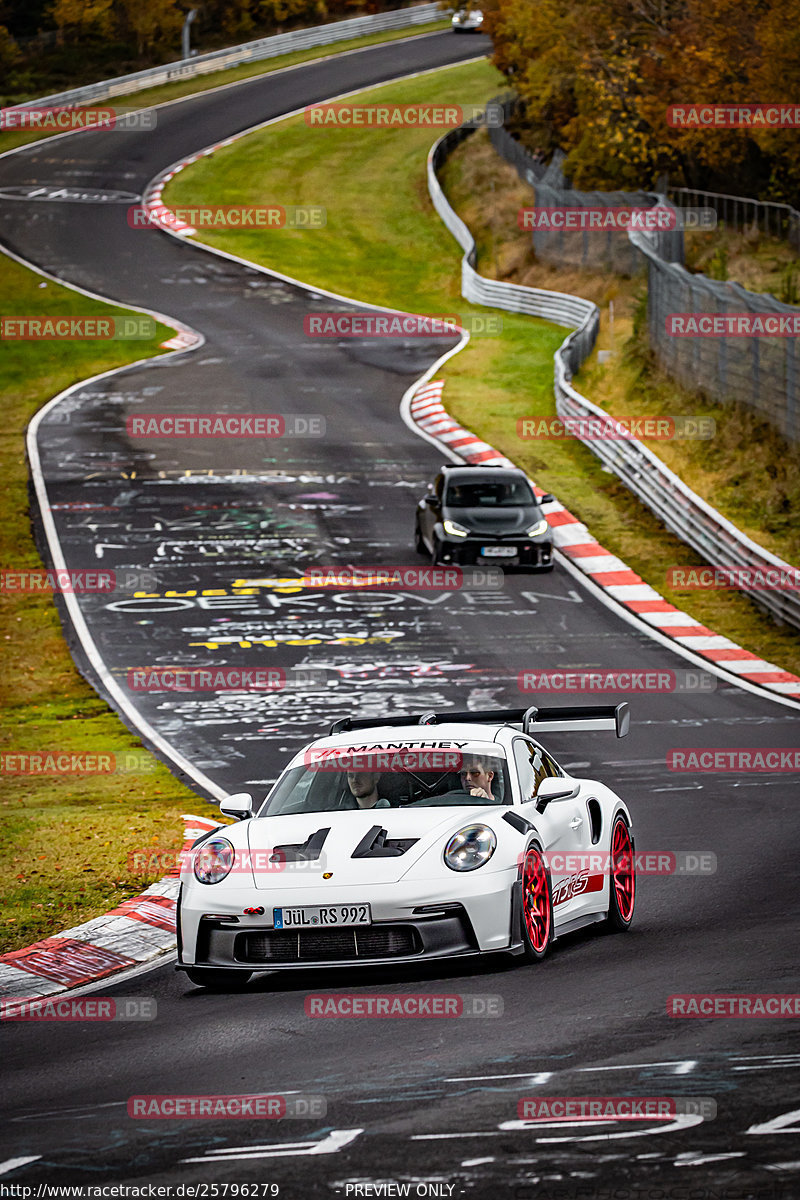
69, 836
385, 244
191, 87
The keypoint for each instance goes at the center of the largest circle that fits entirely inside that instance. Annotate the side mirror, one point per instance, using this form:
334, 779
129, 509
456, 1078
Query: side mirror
430, 499
547, 498
555, 788
239, 806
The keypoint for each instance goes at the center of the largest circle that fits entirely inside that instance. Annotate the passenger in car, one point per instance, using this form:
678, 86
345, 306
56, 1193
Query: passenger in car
363, 786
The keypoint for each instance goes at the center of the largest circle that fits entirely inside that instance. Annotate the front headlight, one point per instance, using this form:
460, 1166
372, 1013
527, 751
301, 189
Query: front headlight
539, 527
454, 529
214, 860
470, 848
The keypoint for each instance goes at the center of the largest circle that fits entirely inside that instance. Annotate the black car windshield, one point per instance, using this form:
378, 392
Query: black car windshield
489, 493
399, 776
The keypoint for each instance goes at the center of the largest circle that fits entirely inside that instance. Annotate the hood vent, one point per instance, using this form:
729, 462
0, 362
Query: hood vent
375, 845
307, 851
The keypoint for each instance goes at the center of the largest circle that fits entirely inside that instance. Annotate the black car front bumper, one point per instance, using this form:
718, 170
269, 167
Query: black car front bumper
529, 552
446, 934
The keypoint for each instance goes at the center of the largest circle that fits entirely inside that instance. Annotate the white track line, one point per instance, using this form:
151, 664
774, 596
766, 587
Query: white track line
11, 1164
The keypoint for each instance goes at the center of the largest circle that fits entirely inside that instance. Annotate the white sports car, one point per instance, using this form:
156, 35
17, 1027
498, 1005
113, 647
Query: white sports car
467, 20
418, 837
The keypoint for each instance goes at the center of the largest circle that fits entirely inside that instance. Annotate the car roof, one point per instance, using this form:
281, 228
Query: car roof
419, 734
479, 468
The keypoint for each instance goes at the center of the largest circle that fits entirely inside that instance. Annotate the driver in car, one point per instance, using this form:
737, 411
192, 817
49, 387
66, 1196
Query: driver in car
363, 786
476, 779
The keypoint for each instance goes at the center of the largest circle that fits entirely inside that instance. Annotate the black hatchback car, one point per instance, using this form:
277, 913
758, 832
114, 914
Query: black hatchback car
480, 515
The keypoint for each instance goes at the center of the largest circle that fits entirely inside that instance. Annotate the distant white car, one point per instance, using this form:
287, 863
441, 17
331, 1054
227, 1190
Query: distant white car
419, 837
467, 20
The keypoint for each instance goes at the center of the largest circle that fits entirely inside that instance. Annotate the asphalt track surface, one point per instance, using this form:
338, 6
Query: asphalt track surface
434, 1101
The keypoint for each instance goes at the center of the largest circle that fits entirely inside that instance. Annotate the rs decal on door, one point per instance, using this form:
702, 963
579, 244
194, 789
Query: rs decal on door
576, 885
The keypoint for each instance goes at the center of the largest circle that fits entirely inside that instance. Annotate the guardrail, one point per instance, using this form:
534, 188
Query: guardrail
683, 512
234, 56
563, 309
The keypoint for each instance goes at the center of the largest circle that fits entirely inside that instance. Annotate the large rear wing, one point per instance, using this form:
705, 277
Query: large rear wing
568, 718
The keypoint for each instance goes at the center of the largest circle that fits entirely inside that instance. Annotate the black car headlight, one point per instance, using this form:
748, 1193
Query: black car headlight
539, 528
454, 529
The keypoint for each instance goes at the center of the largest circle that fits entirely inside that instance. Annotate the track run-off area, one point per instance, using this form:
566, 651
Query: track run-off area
429, 1102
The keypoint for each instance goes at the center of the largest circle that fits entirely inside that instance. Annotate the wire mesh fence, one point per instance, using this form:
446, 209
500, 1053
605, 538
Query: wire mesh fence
757, 370
690, 517
742, 212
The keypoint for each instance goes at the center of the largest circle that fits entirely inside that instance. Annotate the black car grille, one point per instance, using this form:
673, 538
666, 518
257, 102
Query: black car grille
327, 945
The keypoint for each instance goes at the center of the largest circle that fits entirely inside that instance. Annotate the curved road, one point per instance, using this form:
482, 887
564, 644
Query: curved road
419, 1101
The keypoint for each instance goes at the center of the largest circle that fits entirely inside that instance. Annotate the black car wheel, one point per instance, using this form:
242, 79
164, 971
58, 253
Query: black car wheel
419, 545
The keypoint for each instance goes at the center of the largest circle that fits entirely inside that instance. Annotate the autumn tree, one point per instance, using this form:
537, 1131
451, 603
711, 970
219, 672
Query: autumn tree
597, 77
77, 19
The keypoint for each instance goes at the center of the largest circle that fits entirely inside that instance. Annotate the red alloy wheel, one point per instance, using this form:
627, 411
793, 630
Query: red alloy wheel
623, 872
536, 906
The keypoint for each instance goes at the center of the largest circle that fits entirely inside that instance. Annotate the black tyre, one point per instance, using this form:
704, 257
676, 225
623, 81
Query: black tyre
419, 545
218, 979
537, 905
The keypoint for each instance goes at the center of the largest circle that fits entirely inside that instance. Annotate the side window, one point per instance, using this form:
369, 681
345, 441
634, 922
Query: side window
549, 765
533, 765
523, 760
438, 485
